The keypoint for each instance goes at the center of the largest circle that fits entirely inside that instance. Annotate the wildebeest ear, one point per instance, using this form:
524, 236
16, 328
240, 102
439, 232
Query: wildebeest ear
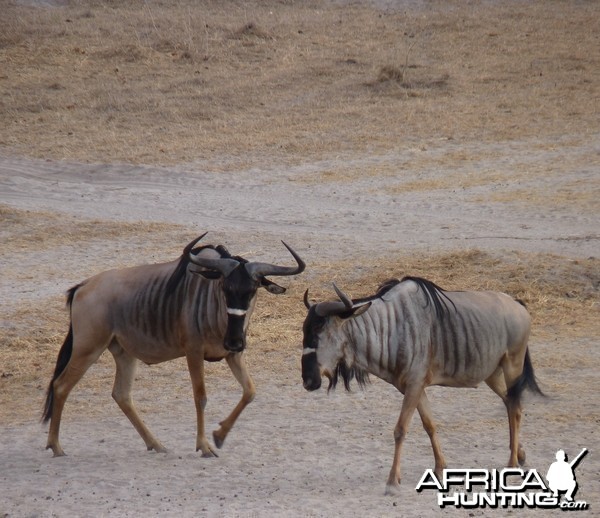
271, 287
355, 311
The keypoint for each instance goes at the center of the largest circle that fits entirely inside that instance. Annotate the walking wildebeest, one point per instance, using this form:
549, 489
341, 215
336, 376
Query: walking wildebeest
197, 306
413, 334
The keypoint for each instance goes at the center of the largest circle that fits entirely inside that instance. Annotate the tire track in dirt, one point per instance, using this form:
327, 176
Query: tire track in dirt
336, 219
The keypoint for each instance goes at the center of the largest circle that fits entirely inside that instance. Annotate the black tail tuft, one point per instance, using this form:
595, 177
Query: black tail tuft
525, 381
64, 355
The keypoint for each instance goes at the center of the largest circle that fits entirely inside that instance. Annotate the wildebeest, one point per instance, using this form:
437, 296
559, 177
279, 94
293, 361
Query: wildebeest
413, 334
197, 306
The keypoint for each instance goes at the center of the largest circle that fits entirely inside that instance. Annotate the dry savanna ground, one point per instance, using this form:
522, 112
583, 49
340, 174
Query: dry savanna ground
494, 104
161, 83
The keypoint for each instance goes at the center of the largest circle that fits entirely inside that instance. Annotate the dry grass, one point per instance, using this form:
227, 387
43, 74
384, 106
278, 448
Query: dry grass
27, 231
164, 83
583, 195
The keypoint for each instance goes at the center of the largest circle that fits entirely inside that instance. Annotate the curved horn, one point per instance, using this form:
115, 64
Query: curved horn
343, 307
225, 266
343, 297
326, 309
192, 244
307, 303
263, 269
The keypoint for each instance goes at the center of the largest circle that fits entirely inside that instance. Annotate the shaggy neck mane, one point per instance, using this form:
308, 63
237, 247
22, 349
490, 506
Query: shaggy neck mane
381, 291
181, 270
434, 294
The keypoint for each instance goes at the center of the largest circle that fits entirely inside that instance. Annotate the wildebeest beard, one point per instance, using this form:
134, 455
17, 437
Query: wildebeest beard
342, 370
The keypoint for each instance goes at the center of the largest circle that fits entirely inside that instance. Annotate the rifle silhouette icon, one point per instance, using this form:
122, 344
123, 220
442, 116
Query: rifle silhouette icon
576, 460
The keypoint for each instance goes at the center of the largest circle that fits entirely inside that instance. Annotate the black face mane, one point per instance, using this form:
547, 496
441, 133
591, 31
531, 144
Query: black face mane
348, 374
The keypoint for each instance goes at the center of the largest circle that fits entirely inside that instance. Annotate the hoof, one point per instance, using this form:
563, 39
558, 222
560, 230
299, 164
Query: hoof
218, 441
208, 454
392, 489
158, 448
57, 451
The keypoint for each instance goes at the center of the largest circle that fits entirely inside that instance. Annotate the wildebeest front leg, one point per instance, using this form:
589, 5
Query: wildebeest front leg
412, 397
238, 367
126, 365
427, 420
196, 367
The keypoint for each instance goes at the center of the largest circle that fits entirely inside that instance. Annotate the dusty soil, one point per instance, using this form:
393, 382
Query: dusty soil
455, 142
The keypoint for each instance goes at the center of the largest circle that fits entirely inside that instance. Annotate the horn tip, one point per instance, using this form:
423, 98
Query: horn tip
306, 301
343, 297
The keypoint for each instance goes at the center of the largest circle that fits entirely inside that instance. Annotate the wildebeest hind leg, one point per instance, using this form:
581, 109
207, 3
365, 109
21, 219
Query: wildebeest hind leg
62, 386
497, 383
126, 365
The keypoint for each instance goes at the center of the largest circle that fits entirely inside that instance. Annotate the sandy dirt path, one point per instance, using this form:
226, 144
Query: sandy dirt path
348, 215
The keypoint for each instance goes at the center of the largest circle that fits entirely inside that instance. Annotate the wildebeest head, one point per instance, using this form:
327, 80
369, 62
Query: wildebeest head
241, 280
324, 343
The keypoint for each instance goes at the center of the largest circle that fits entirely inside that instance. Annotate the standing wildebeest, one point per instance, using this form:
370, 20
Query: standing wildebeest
197, 306
413, 334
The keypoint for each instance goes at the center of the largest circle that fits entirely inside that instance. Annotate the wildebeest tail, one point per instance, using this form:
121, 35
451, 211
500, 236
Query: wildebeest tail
525, 381
64, 355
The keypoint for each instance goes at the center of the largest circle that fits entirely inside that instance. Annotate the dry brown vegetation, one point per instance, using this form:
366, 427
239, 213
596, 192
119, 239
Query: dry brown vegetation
170, 82
28, 231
